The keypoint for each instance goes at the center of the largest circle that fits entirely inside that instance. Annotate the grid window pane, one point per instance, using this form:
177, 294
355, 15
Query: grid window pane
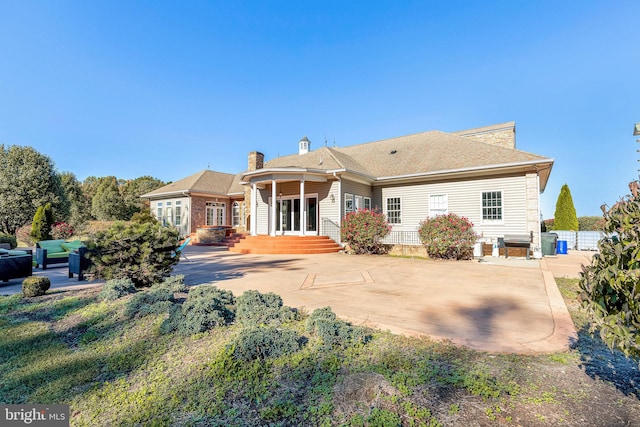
492, 206
394, 212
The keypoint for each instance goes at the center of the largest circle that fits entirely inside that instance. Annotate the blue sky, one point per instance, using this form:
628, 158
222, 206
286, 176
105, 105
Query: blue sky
132, 88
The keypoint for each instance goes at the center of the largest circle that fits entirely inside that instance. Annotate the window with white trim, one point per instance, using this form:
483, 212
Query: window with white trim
492, 206
394, 210
438, 205
235, 214
178, 214
159, 211
348, 203
168, 214
367, 203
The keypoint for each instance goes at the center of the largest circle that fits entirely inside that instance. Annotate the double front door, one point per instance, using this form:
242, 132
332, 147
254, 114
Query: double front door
289, 215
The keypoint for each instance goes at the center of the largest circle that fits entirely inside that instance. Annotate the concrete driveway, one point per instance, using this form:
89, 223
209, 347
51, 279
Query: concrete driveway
495, 304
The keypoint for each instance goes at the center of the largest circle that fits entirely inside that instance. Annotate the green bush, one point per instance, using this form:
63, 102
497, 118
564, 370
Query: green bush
176, 283
142, 252
205, 308
42, 223
255, 308
155, 300
34, 286
609, 285
565, 217
116, 288
363, 230
332, 331
448, 237
8, 238
260, 343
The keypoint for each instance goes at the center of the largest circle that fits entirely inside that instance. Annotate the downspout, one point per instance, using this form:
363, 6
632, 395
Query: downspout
335, 175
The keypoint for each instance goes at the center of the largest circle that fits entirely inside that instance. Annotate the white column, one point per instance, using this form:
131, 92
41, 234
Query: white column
254, 209
274, 200
303, 209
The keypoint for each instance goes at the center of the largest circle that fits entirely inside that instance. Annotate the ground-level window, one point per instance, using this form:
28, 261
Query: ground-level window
394, 210
235, 214
178, 214
438, 205
168, 214
159, 211
215, 213
348, 203
492, 206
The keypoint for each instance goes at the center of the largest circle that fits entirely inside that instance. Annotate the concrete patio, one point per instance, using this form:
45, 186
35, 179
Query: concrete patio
492, 304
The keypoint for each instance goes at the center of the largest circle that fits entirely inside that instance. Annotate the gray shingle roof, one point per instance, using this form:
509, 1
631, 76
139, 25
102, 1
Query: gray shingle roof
424, 152
206, 181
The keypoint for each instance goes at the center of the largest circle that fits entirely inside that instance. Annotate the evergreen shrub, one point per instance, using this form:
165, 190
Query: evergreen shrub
565, 217
255, 308
363, 230
116, 288
205, 308
8, 238
42, 223
155, 300
260, 343
35, 286
332, 331
448, 237
142, 252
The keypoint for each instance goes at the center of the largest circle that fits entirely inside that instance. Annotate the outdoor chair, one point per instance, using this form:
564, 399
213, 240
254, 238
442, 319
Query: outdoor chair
180, 249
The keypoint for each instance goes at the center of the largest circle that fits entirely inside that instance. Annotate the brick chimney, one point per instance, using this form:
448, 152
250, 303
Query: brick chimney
256, 161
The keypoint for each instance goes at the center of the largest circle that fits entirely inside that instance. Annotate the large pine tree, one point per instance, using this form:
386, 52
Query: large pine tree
565, 217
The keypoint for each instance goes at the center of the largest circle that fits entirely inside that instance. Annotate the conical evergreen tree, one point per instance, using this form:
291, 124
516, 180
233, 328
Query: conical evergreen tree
42, 223
565, 217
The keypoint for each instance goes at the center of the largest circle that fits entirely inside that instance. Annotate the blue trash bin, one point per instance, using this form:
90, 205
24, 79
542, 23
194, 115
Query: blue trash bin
562, 247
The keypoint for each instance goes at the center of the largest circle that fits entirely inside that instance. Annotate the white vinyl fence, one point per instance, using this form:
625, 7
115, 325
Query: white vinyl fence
580, 240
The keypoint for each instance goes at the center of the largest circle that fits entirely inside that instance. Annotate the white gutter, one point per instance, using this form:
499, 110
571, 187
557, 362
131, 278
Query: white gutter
459, 170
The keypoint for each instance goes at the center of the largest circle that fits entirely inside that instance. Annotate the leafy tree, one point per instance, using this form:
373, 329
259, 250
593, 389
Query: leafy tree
609, 285
132, 189
565, 217
42, 223
590, 223
78, 211
108, 204
143, 252
28, 180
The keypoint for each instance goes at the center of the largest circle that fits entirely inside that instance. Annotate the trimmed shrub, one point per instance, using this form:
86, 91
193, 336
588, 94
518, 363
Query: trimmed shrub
153, 301
448, 237
255, 308
332, 331
116, 288
61, 231
262, 343
42, 223
8, 238
363, 230
565, 217
142, 252
205, 308
34, 286
609, 285
23, 234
